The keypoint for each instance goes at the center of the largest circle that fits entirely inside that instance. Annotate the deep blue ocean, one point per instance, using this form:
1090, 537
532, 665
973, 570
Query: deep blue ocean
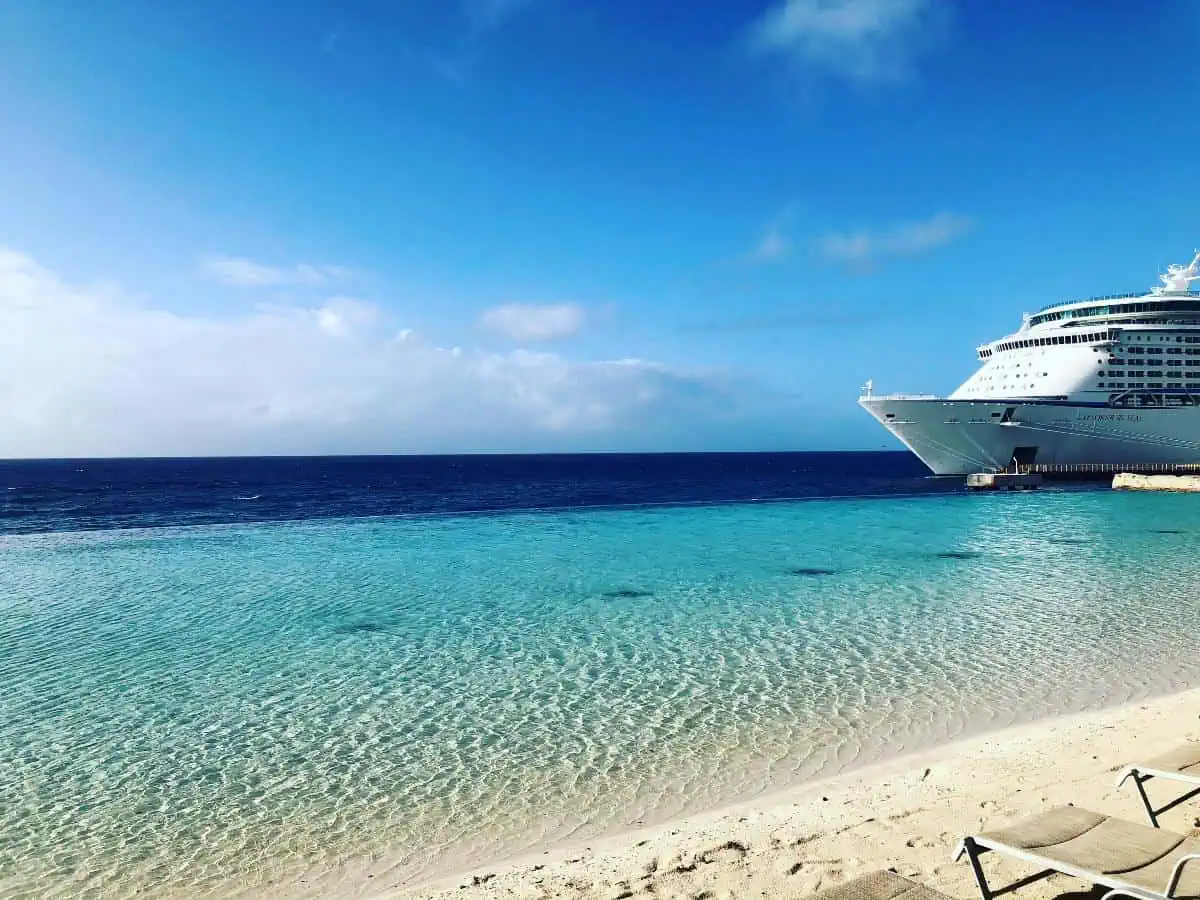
269, 677
60, 495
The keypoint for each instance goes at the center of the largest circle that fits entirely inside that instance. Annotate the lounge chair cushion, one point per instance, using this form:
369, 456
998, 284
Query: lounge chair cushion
1115, 847
882, 885
1184, 759
1046, 829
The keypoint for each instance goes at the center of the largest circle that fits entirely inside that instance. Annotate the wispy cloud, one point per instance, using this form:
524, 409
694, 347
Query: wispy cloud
827, 315
534, 322
775, 244
242, 272
863, 41
773, 247
92, 372
486, 15
867, 249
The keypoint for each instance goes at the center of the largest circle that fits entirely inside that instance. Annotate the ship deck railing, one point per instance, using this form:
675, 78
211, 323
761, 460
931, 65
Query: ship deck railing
1129, 296
1099, 469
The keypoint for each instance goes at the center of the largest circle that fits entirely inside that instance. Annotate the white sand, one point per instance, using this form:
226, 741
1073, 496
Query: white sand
907, 814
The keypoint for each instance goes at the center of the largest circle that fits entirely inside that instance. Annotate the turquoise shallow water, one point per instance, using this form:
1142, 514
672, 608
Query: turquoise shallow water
206, 711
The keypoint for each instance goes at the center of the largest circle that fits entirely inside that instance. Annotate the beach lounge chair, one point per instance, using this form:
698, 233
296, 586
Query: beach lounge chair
1181, 764
1130, 859
881, 885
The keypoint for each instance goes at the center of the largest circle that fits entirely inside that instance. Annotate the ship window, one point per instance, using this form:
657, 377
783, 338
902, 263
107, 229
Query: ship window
1154, 373
1153, 384
1100, 384
1174, 384
1174, 362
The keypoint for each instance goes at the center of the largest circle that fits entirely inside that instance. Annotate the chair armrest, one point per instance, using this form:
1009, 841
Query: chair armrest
1126, 773
1130, 894
1177, 872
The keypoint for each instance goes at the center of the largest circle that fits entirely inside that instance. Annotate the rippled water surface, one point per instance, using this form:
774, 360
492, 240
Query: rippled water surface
208, 710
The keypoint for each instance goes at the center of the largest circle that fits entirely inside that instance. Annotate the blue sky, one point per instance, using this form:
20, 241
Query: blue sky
556, 224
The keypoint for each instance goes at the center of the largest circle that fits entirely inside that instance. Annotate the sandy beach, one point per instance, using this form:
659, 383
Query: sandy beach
906, 814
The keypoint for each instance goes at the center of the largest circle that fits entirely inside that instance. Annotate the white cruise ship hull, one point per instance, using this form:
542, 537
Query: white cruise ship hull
957, 437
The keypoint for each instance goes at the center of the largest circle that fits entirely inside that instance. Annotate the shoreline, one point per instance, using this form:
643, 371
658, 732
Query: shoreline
907, 812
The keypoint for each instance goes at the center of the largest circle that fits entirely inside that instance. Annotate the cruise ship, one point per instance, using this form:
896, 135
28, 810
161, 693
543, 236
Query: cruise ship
1108, 380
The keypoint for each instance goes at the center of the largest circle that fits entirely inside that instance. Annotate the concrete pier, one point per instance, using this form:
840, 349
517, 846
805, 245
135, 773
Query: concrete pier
1131, 481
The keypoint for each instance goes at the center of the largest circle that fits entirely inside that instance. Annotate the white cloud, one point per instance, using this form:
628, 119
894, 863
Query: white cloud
868, 248
534, 322
88, 372
864, 41
342, 315
243, 272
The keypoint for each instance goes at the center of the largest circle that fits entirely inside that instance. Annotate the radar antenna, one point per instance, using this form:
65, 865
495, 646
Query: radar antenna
1178, 278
